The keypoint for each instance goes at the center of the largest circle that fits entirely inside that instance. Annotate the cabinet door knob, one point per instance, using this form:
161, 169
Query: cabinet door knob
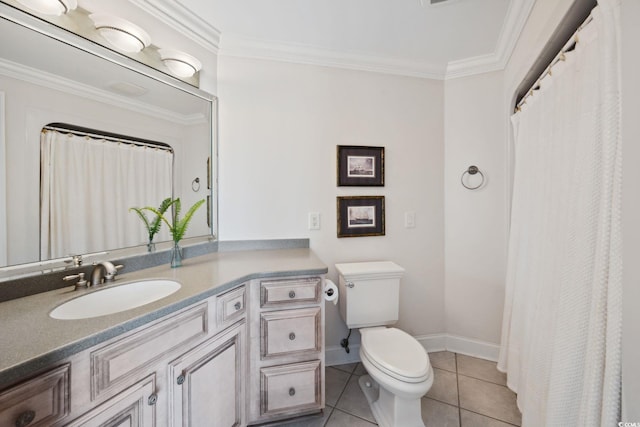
152, 399
292, 336
292, 391
292, 294
237, 305
180, 379
25, 418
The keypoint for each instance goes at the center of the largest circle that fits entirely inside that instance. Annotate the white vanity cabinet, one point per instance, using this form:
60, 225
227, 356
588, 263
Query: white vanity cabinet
249, 355
185, 369
286, 363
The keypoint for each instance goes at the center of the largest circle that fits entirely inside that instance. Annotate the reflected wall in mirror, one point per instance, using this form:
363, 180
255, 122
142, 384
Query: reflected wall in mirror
44, 80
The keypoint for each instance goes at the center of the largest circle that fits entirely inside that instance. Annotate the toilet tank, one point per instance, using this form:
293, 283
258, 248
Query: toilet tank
369, 293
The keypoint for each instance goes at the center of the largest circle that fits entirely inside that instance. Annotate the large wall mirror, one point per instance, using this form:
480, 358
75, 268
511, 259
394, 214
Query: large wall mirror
48, 75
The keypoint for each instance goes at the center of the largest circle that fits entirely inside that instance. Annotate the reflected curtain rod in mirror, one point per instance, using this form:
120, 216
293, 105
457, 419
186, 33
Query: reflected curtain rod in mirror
98, 134
53, 76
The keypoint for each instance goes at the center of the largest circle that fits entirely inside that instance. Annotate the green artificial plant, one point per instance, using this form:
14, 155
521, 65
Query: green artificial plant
153, 225
177, 226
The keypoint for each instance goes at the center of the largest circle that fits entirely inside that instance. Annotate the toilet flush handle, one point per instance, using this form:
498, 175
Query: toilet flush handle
350, 284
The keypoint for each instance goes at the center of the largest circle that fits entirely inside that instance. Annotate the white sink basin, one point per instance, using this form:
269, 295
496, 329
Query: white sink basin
116, 299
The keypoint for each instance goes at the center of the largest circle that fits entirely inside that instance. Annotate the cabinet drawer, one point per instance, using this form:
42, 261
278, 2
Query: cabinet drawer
121, 363
292, 387
230, 306
41, 401
290, 331
290, 291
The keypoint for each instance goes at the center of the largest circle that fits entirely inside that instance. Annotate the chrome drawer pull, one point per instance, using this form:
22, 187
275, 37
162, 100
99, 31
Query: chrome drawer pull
292, 294
153, 399
237, 306
292, 391
292, 336
25, 418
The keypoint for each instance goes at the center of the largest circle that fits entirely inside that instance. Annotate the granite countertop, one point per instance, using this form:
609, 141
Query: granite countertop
31, 340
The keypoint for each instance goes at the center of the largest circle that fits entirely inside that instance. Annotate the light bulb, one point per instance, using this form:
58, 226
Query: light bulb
50, 7
120, 33
179, 63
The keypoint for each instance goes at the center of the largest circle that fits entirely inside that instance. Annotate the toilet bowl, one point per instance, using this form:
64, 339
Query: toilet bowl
399, 374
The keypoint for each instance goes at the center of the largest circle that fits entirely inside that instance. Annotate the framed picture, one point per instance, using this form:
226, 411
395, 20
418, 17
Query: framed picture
360, 166
360, 216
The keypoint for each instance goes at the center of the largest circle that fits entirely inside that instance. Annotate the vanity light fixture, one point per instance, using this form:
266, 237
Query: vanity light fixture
50, 7
121, 33
179, 63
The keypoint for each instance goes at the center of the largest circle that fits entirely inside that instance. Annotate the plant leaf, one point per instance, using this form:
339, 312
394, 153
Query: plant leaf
180, 227
144, 219
157, 221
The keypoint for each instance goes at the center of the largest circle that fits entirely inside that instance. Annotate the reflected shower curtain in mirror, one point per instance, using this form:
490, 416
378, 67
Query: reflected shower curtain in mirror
87, 184
561, 335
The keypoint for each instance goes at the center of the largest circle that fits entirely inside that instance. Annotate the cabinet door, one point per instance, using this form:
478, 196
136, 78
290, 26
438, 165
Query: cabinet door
134, 407
206, 383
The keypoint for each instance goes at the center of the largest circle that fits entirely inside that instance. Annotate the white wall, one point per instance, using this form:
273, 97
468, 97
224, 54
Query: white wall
631, 209
280, 124
475, 220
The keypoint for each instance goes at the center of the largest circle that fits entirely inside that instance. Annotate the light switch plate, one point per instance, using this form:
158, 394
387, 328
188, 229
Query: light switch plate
410, 219
314, 220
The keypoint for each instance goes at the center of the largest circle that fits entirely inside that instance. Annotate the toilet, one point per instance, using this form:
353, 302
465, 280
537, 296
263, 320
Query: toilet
399, 372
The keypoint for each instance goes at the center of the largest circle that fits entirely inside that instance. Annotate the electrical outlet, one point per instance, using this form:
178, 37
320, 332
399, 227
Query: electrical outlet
314, 220
409, 219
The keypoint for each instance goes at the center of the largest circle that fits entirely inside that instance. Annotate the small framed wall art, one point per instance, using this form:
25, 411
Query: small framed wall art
360, 166
360, 216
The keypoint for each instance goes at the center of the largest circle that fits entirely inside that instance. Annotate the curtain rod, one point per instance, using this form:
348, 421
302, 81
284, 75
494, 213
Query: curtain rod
568, 47
98, 134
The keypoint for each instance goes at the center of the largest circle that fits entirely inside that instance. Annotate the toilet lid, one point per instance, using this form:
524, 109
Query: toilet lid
396, 353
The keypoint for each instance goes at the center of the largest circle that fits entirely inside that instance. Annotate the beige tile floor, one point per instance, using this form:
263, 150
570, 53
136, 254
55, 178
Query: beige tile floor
466, 392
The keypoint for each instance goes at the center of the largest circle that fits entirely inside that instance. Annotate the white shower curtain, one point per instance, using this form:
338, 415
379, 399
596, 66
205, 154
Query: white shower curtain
561, 336
87, 188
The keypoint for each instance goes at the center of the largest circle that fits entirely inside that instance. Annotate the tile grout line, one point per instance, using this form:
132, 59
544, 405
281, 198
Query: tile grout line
351, 375
455, 358
492, 418
483, 380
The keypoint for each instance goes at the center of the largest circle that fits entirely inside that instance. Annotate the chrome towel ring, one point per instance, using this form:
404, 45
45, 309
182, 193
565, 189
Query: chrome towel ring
472, 170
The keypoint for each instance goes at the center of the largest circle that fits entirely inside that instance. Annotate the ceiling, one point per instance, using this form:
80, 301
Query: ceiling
407, 37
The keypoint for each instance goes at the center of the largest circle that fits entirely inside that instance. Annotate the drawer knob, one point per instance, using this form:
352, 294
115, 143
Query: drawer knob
292, 294
292, 336
180, 379
25, 418
237, 305
292, 391
152, 399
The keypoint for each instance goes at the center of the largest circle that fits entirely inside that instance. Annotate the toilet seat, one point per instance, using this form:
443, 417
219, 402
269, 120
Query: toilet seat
396, 354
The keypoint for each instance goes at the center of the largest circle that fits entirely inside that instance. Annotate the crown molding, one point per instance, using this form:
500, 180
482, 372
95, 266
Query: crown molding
52, 81
182, 19
514, 22
245, 47
515, 19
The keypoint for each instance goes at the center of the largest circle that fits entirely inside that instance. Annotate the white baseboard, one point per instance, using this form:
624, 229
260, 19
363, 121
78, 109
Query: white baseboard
336, 355
472, 347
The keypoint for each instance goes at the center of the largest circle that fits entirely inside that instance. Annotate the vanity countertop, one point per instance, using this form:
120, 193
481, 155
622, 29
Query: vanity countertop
31, 340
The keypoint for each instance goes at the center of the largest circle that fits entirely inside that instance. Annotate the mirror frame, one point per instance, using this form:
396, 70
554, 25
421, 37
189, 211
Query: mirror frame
48, 29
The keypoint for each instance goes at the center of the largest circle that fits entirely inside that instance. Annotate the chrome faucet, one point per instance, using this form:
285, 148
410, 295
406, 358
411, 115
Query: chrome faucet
103, 272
